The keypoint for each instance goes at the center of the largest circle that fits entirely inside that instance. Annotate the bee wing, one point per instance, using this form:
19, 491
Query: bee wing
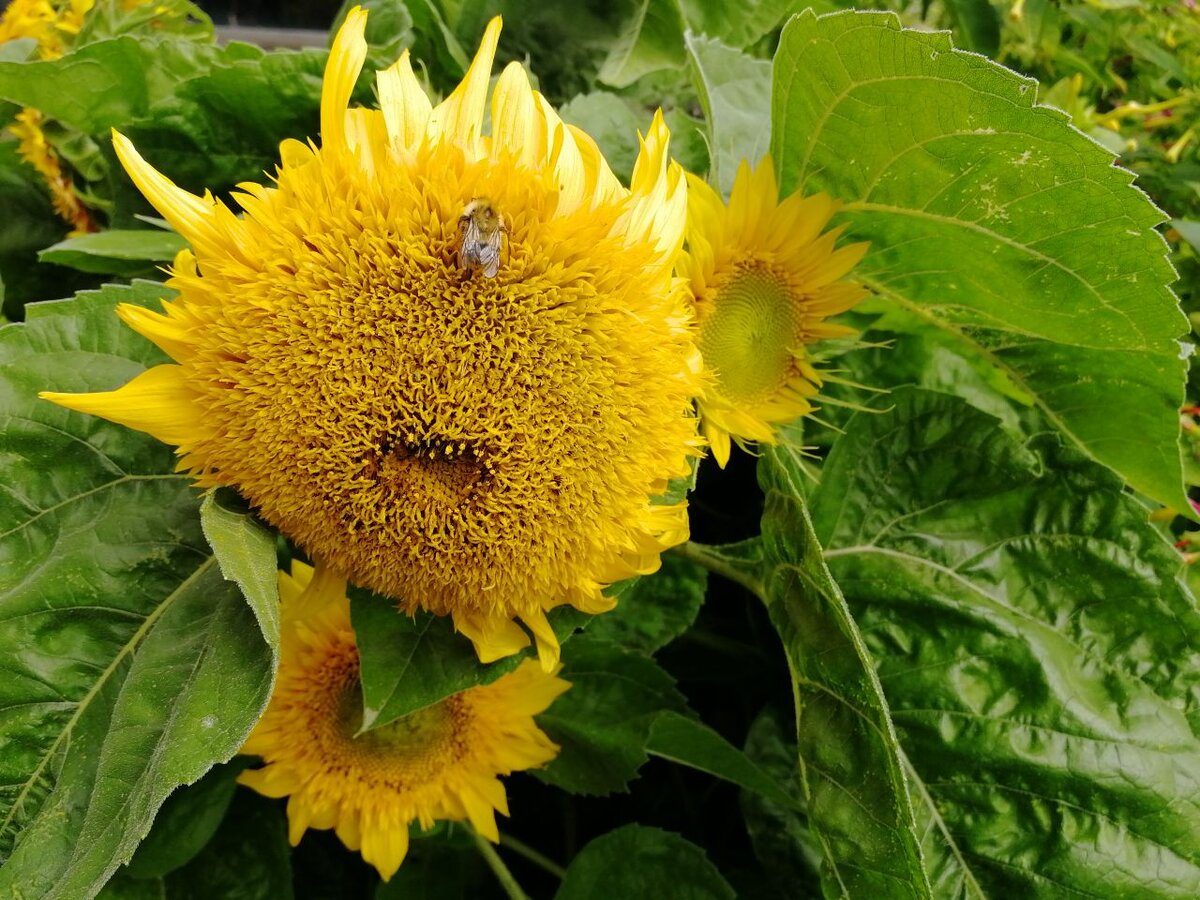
491, 262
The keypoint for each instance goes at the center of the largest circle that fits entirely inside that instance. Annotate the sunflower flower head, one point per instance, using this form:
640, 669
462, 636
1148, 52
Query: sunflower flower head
455, 366
438, 763
764, 277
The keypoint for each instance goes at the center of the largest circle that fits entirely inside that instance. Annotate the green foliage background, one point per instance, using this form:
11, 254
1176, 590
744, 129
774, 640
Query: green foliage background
947, 651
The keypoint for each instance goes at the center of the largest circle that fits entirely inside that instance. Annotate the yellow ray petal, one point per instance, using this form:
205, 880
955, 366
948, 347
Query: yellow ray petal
459, 118
168, 331
517, 128
157, 402
404, 104
346, 59
191, 216
494, 637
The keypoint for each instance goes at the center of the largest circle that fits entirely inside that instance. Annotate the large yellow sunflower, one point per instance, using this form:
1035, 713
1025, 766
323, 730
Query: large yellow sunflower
484, 447
764, 278
440, 762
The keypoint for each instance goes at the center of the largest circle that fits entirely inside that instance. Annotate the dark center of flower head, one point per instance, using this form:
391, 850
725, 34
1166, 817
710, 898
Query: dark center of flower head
751, 333
447, 472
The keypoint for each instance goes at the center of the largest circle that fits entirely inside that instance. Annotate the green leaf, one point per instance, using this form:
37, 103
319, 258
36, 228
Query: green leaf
651, 39
245, 551
636, 861
140, 667
652, 35
410, 662
779, 832
107, 83
1038, 650
995, 221
115, 252
603, 722
654, 609
735, 91
186, 823
434, 42
223, 126
735, 24
850, 759
692, 743
976, 25
248, 859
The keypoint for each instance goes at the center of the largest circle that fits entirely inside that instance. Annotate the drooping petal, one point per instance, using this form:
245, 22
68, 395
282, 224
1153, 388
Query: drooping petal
191, 216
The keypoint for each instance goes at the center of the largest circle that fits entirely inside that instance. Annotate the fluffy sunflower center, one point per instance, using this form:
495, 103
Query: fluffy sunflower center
427, 428
750, 335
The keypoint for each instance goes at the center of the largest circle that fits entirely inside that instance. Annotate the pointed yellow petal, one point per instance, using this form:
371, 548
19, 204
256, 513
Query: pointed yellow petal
547, 641
517, 128
385, 849
191, 216
602, 183
404, 104
157, 402
294, 153
459, 118
346, 59
494, 637
169, 333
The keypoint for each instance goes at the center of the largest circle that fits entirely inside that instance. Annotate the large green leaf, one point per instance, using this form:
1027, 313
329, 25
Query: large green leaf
186, 823
735, 91
603, 722
223, 125
636, 861
850, 762
1039, 653
106, 83
779, 832
655, 609
140, 667
689, 742
652, 33
247, 859
996, 221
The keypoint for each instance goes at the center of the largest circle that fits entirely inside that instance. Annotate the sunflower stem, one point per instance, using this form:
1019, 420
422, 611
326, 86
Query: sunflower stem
520, 847
744, 570
499, 869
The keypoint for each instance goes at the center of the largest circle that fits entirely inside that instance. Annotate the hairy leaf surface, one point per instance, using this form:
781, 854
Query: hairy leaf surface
139, 665
1037, 648
996, 221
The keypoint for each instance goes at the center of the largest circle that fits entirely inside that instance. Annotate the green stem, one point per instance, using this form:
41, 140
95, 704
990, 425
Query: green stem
532, 855
499, 869
741, 572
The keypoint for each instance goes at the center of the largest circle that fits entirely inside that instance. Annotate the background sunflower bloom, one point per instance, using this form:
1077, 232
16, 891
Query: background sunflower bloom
764, 279
484, 447
440, 762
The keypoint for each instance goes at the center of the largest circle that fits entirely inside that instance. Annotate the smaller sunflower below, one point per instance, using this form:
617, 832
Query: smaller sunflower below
438, 763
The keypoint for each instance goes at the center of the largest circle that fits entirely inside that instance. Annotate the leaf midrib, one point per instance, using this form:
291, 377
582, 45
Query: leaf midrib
85, 702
